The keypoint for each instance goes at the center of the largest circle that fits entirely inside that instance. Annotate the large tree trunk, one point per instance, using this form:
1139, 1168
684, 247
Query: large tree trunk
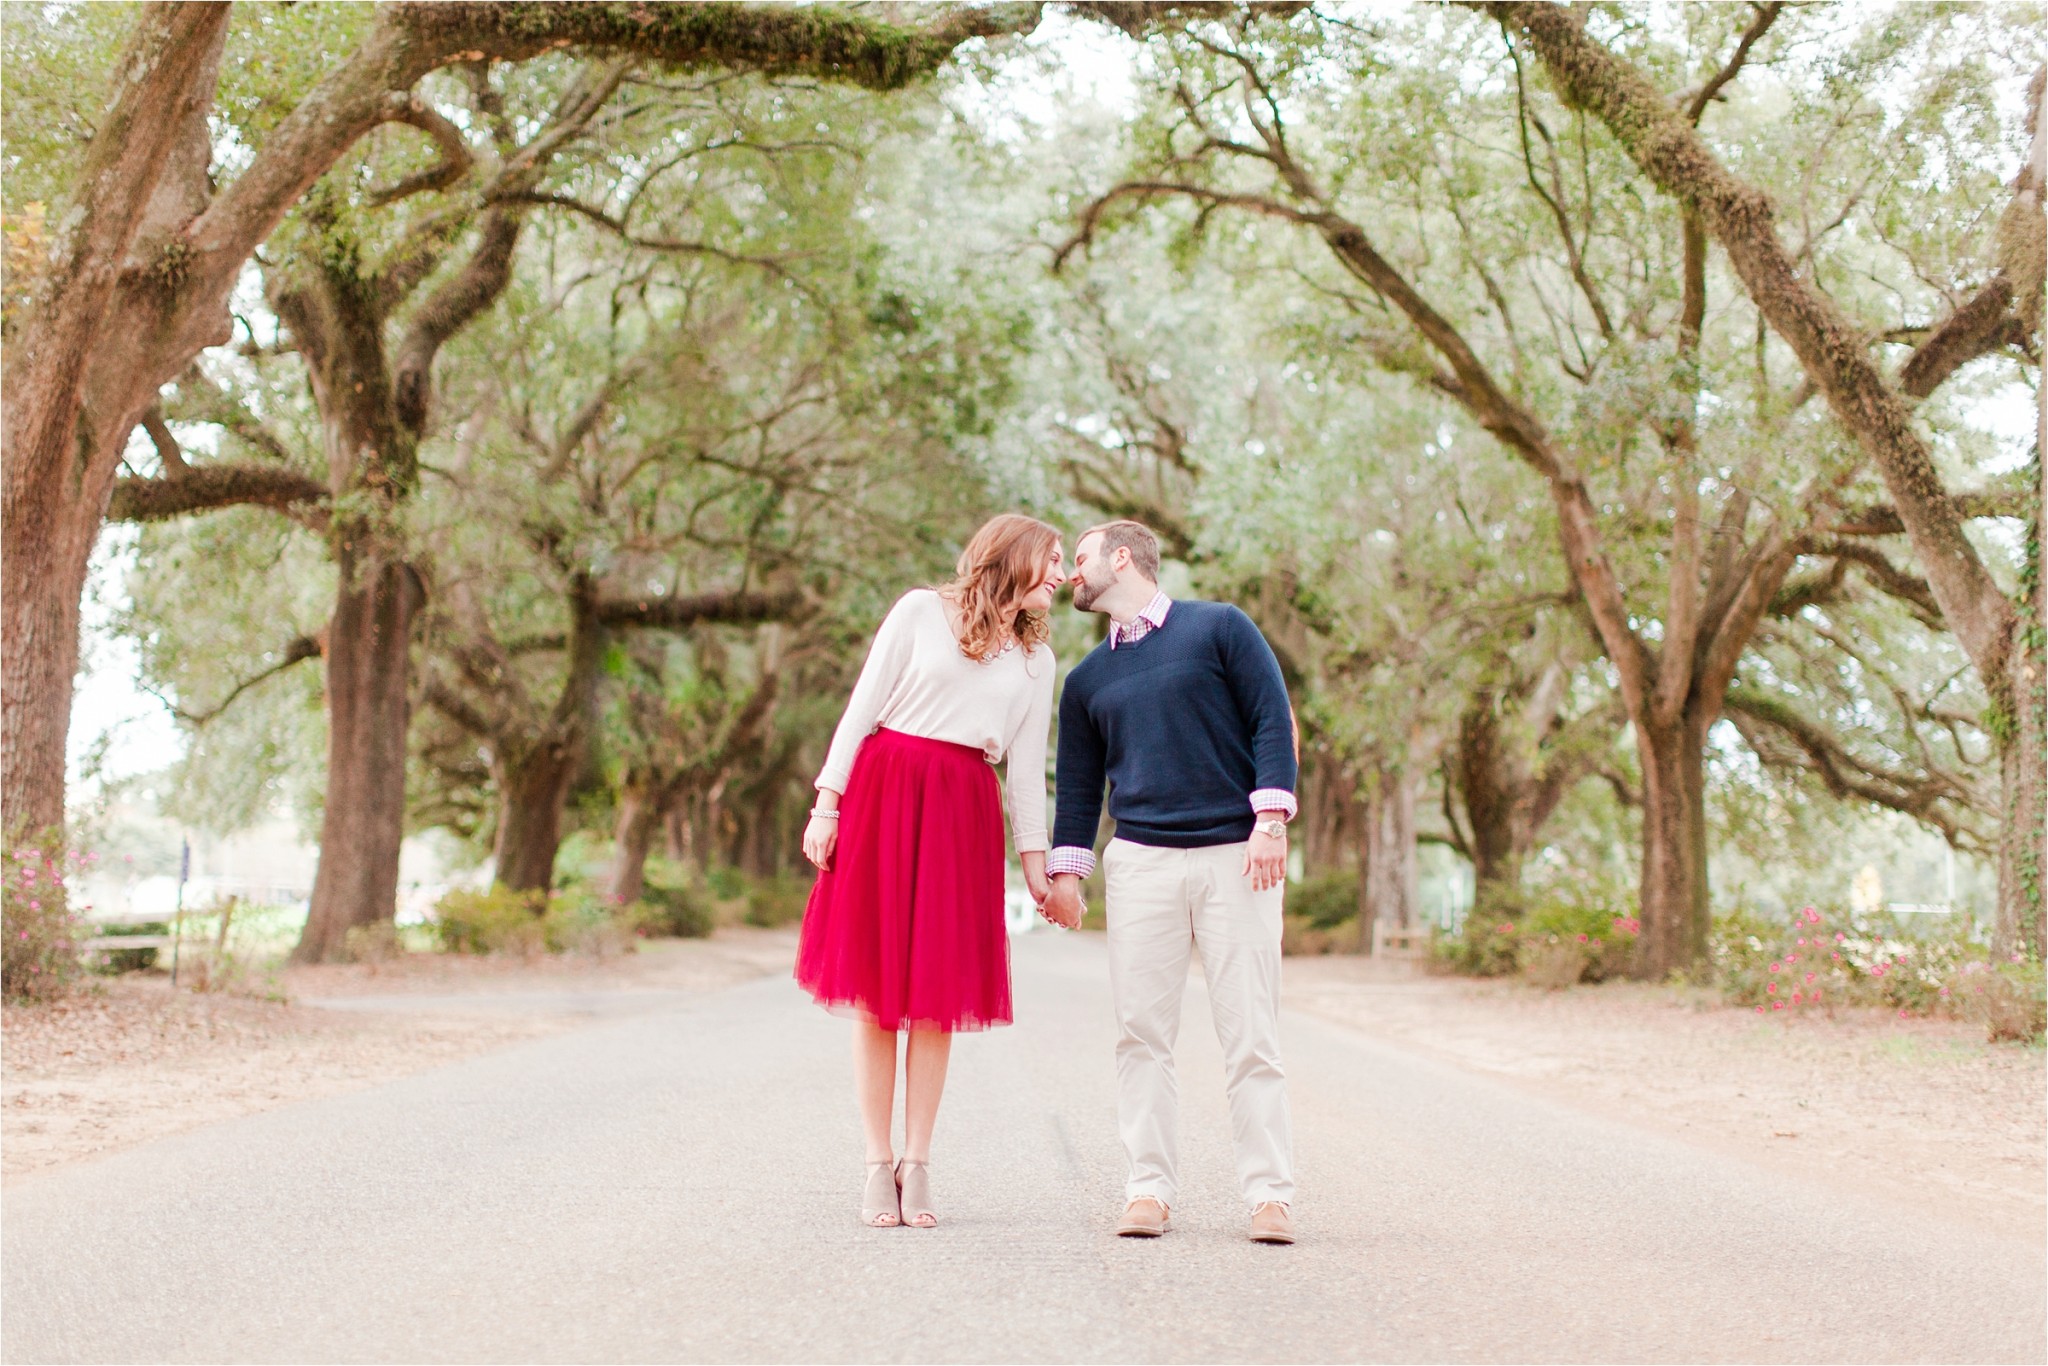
369, 712
1326, 828
1390, 890
2023, 838
533, 795
640, 815
62, 436
1489, 794
43, 577
1674, 879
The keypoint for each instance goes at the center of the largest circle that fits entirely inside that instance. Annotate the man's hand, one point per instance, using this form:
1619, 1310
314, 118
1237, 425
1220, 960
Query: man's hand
1265, 860
1064, 906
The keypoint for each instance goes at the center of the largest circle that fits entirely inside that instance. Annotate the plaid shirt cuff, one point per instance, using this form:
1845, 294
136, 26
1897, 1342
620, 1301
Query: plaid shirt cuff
1274, 799
1070, 859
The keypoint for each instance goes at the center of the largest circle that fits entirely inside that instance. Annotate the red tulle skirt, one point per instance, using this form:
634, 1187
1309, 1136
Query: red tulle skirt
906, 927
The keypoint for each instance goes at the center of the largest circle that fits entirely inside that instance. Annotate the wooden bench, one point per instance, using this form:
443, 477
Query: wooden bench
114, 943
1391, 941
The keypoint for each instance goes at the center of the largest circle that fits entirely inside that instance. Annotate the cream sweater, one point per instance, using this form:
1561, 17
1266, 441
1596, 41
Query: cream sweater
917, 681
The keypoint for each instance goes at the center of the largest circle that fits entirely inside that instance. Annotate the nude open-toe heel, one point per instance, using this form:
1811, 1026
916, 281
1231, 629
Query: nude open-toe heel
914, 1194
878, 1203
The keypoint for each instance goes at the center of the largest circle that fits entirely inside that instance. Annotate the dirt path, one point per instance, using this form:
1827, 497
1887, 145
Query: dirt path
1922, 1111
134, 1061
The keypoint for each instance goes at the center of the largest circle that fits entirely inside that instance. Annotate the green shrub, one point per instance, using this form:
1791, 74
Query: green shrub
576, 921
674, 907
39, 959
1324, 902
1485, 947
727, 883
1301, 937
779, 900
2009, 999
494, 921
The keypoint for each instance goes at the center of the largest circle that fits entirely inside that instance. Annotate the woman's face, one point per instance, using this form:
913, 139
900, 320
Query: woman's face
1039, 599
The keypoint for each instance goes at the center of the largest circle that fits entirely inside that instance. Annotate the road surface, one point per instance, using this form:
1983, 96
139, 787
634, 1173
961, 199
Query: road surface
681, 1184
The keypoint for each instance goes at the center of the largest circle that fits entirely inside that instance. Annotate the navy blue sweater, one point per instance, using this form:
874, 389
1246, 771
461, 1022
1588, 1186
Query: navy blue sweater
1185, 724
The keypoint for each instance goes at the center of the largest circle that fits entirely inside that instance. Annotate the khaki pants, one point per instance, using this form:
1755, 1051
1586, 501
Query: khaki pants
1162, 901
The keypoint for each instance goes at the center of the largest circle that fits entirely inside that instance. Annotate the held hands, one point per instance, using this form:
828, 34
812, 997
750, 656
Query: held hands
1063, 905
1265, 860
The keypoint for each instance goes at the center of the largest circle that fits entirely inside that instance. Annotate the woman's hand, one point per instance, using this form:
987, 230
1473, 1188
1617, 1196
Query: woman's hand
821, 837
1035, 880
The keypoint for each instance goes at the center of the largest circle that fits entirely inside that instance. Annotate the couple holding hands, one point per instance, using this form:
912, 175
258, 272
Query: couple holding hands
1183, 713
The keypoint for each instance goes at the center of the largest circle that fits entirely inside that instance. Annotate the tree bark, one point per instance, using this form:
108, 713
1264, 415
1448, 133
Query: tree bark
1390, 889
640, 815
533, 795
1490, 797
2020, 926
1674, 876
60, 449
369, 713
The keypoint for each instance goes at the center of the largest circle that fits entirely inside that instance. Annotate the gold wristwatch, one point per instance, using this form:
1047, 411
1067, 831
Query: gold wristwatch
1276, 829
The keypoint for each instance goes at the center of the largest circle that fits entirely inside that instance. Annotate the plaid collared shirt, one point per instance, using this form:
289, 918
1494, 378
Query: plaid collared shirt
1149, 619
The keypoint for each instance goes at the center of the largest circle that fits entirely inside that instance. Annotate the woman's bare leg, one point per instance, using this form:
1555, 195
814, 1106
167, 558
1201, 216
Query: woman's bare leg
924, 1081
874, 1083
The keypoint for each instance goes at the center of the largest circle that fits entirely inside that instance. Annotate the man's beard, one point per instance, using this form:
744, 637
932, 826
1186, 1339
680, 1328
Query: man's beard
1086, 591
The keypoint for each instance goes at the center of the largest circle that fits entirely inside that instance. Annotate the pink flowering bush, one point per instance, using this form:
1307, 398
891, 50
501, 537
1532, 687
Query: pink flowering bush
1564, 944
40, 926
1557, 943
1818, 959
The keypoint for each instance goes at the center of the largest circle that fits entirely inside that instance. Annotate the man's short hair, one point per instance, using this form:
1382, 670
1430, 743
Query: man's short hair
1133, 536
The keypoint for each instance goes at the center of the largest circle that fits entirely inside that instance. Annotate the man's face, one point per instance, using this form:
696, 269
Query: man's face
1093, 572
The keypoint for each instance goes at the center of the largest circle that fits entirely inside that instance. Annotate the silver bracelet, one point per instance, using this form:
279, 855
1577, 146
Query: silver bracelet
823, 814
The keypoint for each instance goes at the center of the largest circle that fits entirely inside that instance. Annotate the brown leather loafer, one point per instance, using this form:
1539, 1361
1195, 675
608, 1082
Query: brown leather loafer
1144, 1217
1272, 1222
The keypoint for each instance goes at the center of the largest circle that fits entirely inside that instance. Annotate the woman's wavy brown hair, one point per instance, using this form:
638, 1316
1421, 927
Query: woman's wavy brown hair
1005, 560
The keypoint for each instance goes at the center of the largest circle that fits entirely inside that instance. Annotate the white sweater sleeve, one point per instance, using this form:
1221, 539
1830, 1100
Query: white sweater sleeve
886, 660
1026, 775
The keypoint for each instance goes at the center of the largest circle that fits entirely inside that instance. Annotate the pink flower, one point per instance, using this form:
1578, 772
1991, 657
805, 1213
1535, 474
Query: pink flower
1582, 939
1777, 1005
1810, 976
35, 905
1802, 941
1839, 936
1759, 1010
1772, 988
1836, 956
1776, 966
1902, 1014
1877, 970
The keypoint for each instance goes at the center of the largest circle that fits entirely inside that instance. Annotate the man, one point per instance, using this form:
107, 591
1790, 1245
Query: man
1183, 711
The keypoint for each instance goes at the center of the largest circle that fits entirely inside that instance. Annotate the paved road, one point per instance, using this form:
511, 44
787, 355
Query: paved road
680, 1184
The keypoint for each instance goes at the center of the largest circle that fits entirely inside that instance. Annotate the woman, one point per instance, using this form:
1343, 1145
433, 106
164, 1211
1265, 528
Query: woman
905, 926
